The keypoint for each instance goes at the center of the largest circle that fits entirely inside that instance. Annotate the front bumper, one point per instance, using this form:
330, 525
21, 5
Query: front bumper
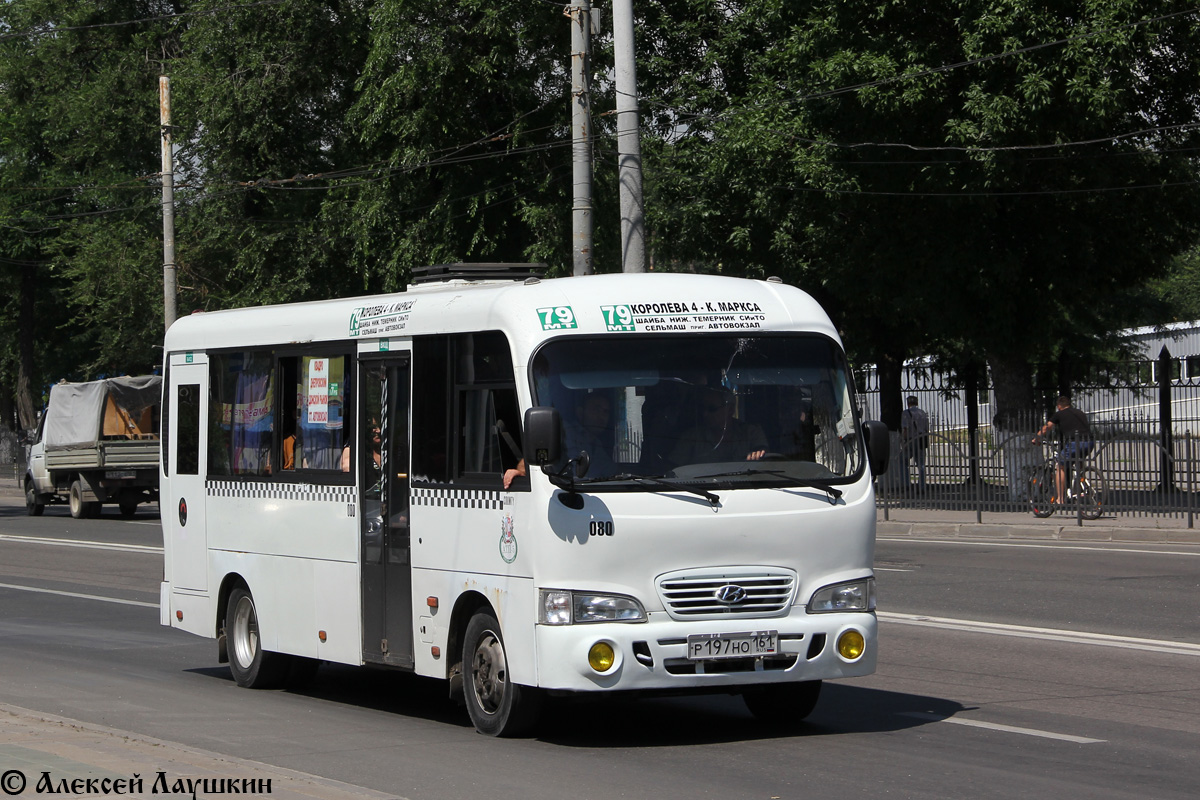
652, 656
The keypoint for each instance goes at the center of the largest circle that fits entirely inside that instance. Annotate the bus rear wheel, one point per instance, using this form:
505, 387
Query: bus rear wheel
783, 702
498, 707
252, 667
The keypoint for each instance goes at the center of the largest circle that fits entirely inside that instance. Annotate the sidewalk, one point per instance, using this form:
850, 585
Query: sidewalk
934, 523
64, 755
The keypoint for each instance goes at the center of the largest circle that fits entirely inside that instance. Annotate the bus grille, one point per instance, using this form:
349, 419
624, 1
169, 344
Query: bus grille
735, 592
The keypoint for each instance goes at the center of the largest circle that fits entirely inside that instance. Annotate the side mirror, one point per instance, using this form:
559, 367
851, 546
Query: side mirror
543, 435
879, 445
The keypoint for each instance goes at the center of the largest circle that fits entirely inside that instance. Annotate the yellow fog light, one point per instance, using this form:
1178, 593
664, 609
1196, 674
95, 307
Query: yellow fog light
851, 645
601, 657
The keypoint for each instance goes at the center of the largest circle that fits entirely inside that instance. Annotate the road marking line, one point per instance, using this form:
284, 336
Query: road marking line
1079, 546
994, 726
1049, 634
891, 569
77, 594
125, 548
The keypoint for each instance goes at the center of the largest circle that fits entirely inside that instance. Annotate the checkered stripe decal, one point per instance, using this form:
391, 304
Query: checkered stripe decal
456, 498
280, 491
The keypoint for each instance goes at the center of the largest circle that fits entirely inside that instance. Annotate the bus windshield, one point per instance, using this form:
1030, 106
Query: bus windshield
727, 410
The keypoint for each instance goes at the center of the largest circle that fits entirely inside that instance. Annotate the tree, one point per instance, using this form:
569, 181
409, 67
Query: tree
75, 210
966, 178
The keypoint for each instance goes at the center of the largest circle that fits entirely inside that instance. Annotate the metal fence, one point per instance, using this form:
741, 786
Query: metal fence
1145, 418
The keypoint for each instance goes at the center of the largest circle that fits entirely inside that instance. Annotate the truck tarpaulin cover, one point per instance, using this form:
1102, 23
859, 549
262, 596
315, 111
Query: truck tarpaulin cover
75, 417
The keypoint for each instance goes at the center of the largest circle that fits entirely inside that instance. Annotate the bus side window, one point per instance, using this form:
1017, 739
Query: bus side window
241, 406
187, 434
466, 420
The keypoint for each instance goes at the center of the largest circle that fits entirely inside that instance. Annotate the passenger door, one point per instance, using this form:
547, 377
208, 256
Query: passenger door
183, 495
383, 466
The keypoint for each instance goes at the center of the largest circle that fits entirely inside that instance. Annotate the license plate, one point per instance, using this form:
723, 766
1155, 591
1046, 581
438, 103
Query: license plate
707, 646
120, 475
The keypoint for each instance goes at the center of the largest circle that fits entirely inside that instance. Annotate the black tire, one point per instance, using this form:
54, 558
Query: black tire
1041, 488
128, 504
32, 507
1091, 493
252, 667
783, 702
498, 707
79, 508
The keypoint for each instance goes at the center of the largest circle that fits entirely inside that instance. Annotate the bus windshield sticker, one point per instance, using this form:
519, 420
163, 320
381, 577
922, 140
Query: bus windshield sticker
380, 319
508, 539
721, 315
557, 318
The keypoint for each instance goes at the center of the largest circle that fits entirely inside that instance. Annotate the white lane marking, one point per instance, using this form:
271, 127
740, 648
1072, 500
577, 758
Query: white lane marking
1080, 546
124, 548
77, 594
891, 569
1049, 634
993, 726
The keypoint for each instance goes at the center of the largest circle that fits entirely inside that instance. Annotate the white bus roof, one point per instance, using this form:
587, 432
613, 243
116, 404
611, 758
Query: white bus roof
528, 312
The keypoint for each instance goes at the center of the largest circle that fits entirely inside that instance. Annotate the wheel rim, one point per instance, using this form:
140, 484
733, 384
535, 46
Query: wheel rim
489, 672
245, 632
30, 495
76, 501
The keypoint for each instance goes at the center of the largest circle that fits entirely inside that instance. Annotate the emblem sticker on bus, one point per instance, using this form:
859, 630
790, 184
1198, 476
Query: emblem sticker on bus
557, 318
508, 539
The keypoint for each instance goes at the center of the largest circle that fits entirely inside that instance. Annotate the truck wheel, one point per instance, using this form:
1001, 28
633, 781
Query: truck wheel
128, 504
79, 509
32, 507
498, 707
251, 666
783, 702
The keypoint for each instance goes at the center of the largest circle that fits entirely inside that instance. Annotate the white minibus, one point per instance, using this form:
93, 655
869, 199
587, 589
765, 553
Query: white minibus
526, 487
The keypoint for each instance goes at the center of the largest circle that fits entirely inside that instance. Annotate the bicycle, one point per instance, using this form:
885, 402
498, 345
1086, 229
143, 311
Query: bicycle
1085, 489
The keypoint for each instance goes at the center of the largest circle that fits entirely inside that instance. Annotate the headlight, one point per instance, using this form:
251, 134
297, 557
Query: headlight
852, 596
561, 607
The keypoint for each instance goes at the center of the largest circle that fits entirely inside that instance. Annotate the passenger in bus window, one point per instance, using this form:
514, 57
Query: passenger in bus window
720, 436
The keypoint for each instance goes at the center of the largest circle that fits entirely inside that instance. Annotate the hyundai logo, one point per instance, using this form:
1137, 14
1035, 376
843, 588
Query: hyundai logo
730, 594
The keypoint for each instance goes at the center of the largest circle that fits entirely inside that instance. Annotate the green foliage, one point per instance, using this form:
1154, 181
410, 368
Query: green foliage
958, 177
972, 179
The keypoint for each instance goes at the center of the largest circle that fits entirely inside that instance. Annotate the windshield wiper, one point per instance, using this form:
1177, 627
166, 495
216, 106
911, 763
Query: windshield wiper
834, 493
657, 480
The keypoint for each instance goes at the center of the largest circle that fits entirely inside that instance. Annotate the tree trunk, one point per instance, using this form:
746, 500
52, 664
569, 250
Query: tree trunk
1013, 421
891, 403
26, 413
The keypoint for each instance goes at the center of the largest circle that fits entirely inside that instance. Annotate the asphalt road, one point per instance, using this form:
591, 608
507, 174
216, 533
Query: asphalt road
1005, 670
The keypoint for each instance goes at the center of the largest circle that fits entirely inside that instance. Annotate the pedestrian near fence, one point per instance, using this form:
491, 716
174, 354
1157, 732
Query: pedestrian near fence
914, 438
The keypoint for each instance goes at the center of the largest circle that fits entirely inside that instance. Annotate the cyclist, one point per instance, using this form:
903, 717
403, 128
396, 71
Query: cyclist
1075, 434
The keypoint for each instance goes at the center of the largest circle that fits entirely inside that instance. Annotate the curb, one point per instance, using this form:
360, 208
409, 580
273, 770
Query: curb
1062, 533
66, 749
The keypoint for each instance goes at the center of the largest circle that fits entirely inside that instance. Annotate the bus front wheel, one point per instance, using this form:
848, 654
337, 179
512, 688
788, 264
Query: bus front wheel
251, 666
498, 707
783, 702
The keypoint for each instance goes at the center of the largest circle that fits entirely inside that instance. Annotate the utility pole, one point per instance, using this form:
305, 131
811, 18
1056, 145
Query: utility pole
581, 138
168, 201
629, 147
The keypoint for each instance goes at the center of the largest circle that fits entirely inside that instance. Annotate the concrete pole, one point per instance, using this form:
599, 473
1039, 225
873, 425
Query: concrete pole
581, 138
629, 147
168, 202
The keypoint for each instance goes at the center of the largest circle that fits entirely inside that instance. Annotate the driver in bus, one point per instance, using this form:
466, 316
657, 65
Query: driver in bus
720, 436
